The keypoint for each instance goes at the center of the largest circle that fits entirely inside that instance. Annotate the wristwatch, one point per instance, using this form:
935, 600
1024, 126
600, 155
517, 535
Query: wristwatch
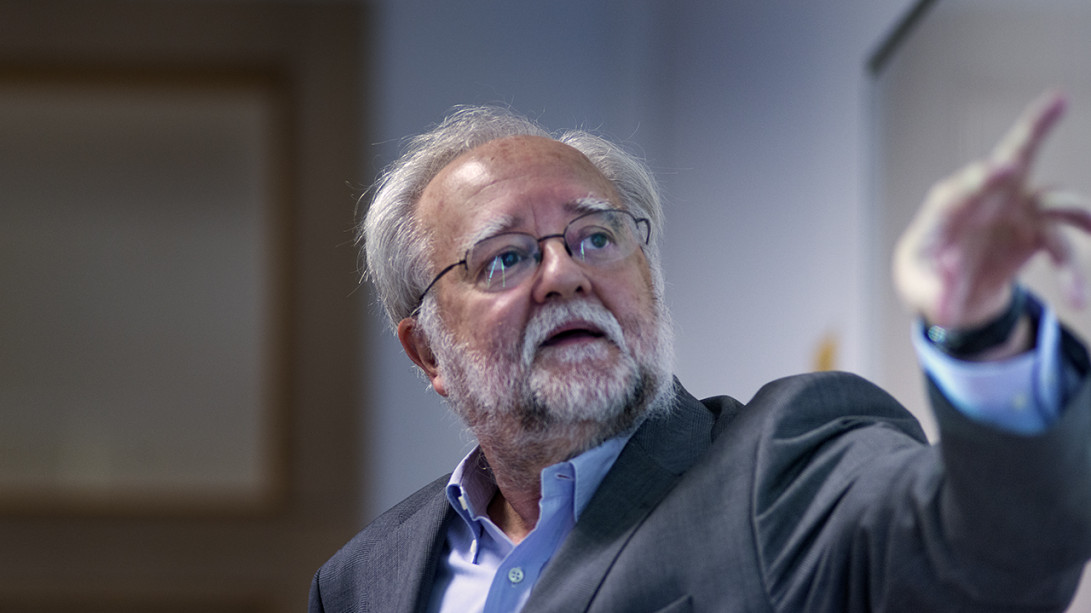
961, 343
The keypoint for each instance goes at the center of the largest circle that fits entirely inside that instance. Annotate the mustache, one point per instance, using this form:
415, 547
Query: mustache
557, 314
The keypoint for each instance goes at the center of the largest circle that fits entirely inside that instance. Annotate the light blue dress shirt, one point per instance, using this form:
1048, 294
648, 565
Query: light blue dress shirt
481, 570
1023, 394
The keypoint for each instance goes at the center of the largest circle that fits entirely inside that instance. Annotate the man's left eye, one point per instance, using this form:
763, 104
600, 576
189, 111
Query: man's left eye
598, 240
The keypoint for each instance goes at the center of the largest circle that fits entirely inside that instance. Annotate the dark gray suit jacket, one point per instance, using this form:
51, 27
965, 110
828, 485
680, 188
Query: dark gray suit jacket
821, 494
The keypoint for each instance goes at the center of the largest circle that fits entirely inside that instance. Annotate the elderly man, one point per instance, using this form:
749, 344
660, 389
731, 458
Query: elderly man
522, 274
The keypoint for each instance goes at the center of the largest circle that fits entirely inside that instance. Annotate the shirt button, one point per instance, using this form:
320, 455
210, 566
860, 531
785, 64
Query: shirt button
515, 575
1019, 402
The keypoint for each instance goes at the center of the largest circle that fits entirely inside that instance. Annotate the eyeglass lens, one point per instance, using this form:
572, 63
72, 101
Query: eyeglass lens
597, 239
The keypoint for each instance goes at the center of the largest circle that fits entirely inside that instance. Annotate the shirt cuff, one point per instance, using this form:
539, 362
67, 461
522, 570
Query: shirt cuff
1021, 394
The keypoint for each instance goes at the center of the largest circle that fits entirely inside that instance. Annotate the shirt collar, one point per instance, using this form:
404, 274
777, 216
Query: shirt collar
471, 487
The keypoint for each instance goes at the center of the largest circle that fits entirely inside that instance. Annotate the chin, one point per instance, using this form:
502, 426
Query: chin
591, 390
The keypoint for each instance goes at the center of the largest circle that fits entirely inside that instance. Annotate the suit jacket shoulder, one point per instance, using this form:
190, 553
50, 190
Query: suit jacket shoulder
676, 521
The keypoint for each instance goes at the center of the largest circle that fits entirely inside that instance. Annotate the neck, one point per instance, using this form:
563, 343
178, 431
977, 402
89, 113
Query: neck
517, 462
514, 516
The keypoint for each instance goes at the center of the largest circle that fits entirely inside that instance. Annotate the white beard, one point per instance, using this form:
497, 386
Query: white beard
518, 391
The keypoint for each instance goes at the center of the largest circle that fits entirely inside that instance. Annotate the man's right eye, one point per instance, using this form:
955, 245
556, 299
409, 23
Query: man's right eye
508, 258
498, 269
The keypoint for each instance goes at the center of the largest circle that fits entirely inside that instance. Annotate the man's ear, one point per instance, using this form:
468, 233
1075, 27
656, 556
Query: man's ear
417, 348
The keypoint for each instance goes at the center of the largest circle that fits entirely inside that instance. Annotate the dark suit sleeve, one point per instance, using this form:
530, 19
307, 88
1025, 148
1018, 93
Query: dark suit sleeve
1018, 504
853, 512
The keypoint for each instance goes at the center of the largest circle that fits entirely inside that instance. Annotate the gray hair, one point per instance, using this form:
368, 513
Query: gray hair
396, 249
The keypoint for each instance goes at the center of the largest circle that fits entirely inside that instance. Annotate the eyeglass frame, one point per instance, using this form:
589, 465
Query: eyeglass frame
464, 262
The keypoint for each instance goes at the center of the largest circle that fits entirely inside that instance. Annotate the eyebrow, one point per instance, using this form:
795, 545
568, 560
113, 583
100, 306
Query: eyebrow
590, 204
492, 227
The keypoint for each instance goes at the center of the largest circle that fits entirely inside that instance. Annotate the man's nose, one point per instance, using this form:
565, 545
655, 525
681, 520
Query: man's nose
559, 274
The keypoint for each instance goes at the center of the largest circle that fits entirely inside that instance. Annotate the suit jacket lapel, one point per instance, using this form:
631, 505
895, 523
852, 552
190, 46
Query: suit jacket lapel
403, 573
659, 452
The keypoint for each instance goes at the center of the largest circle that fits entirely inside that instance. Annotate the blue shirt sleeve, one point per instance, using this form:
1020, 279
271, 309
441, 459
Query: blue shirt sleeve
1023, 394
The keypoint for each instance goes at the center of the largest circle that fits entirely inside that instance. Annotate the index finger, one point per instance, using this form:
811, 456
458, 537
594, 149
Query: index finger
1019, 146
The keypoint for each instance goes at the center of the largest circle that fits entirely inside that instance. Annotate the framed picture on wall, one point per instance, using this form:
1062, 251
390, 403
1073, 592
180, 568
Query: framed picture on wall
143, 266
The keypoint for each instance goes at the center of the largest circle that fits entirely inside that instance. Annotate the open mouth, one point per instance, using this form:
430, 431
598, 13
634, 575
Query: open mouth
572, 333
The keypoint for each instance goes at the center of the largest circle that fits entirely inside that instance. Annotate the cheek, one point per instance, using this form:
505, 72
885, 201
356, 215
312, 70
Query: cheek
632, 291
491, 323
631, 303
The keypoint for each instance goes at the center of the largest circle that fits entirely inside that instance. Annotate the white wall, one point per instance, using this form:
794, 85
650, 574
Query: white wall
751, 111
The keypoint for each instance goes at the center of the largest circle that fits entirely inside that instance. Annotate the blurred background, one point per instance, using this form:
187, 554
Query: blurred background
198, 402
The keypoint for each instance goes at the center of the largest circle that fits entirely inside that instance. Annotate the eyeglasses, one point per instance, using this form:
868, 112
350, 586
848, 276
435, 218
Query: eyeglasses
507, 259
